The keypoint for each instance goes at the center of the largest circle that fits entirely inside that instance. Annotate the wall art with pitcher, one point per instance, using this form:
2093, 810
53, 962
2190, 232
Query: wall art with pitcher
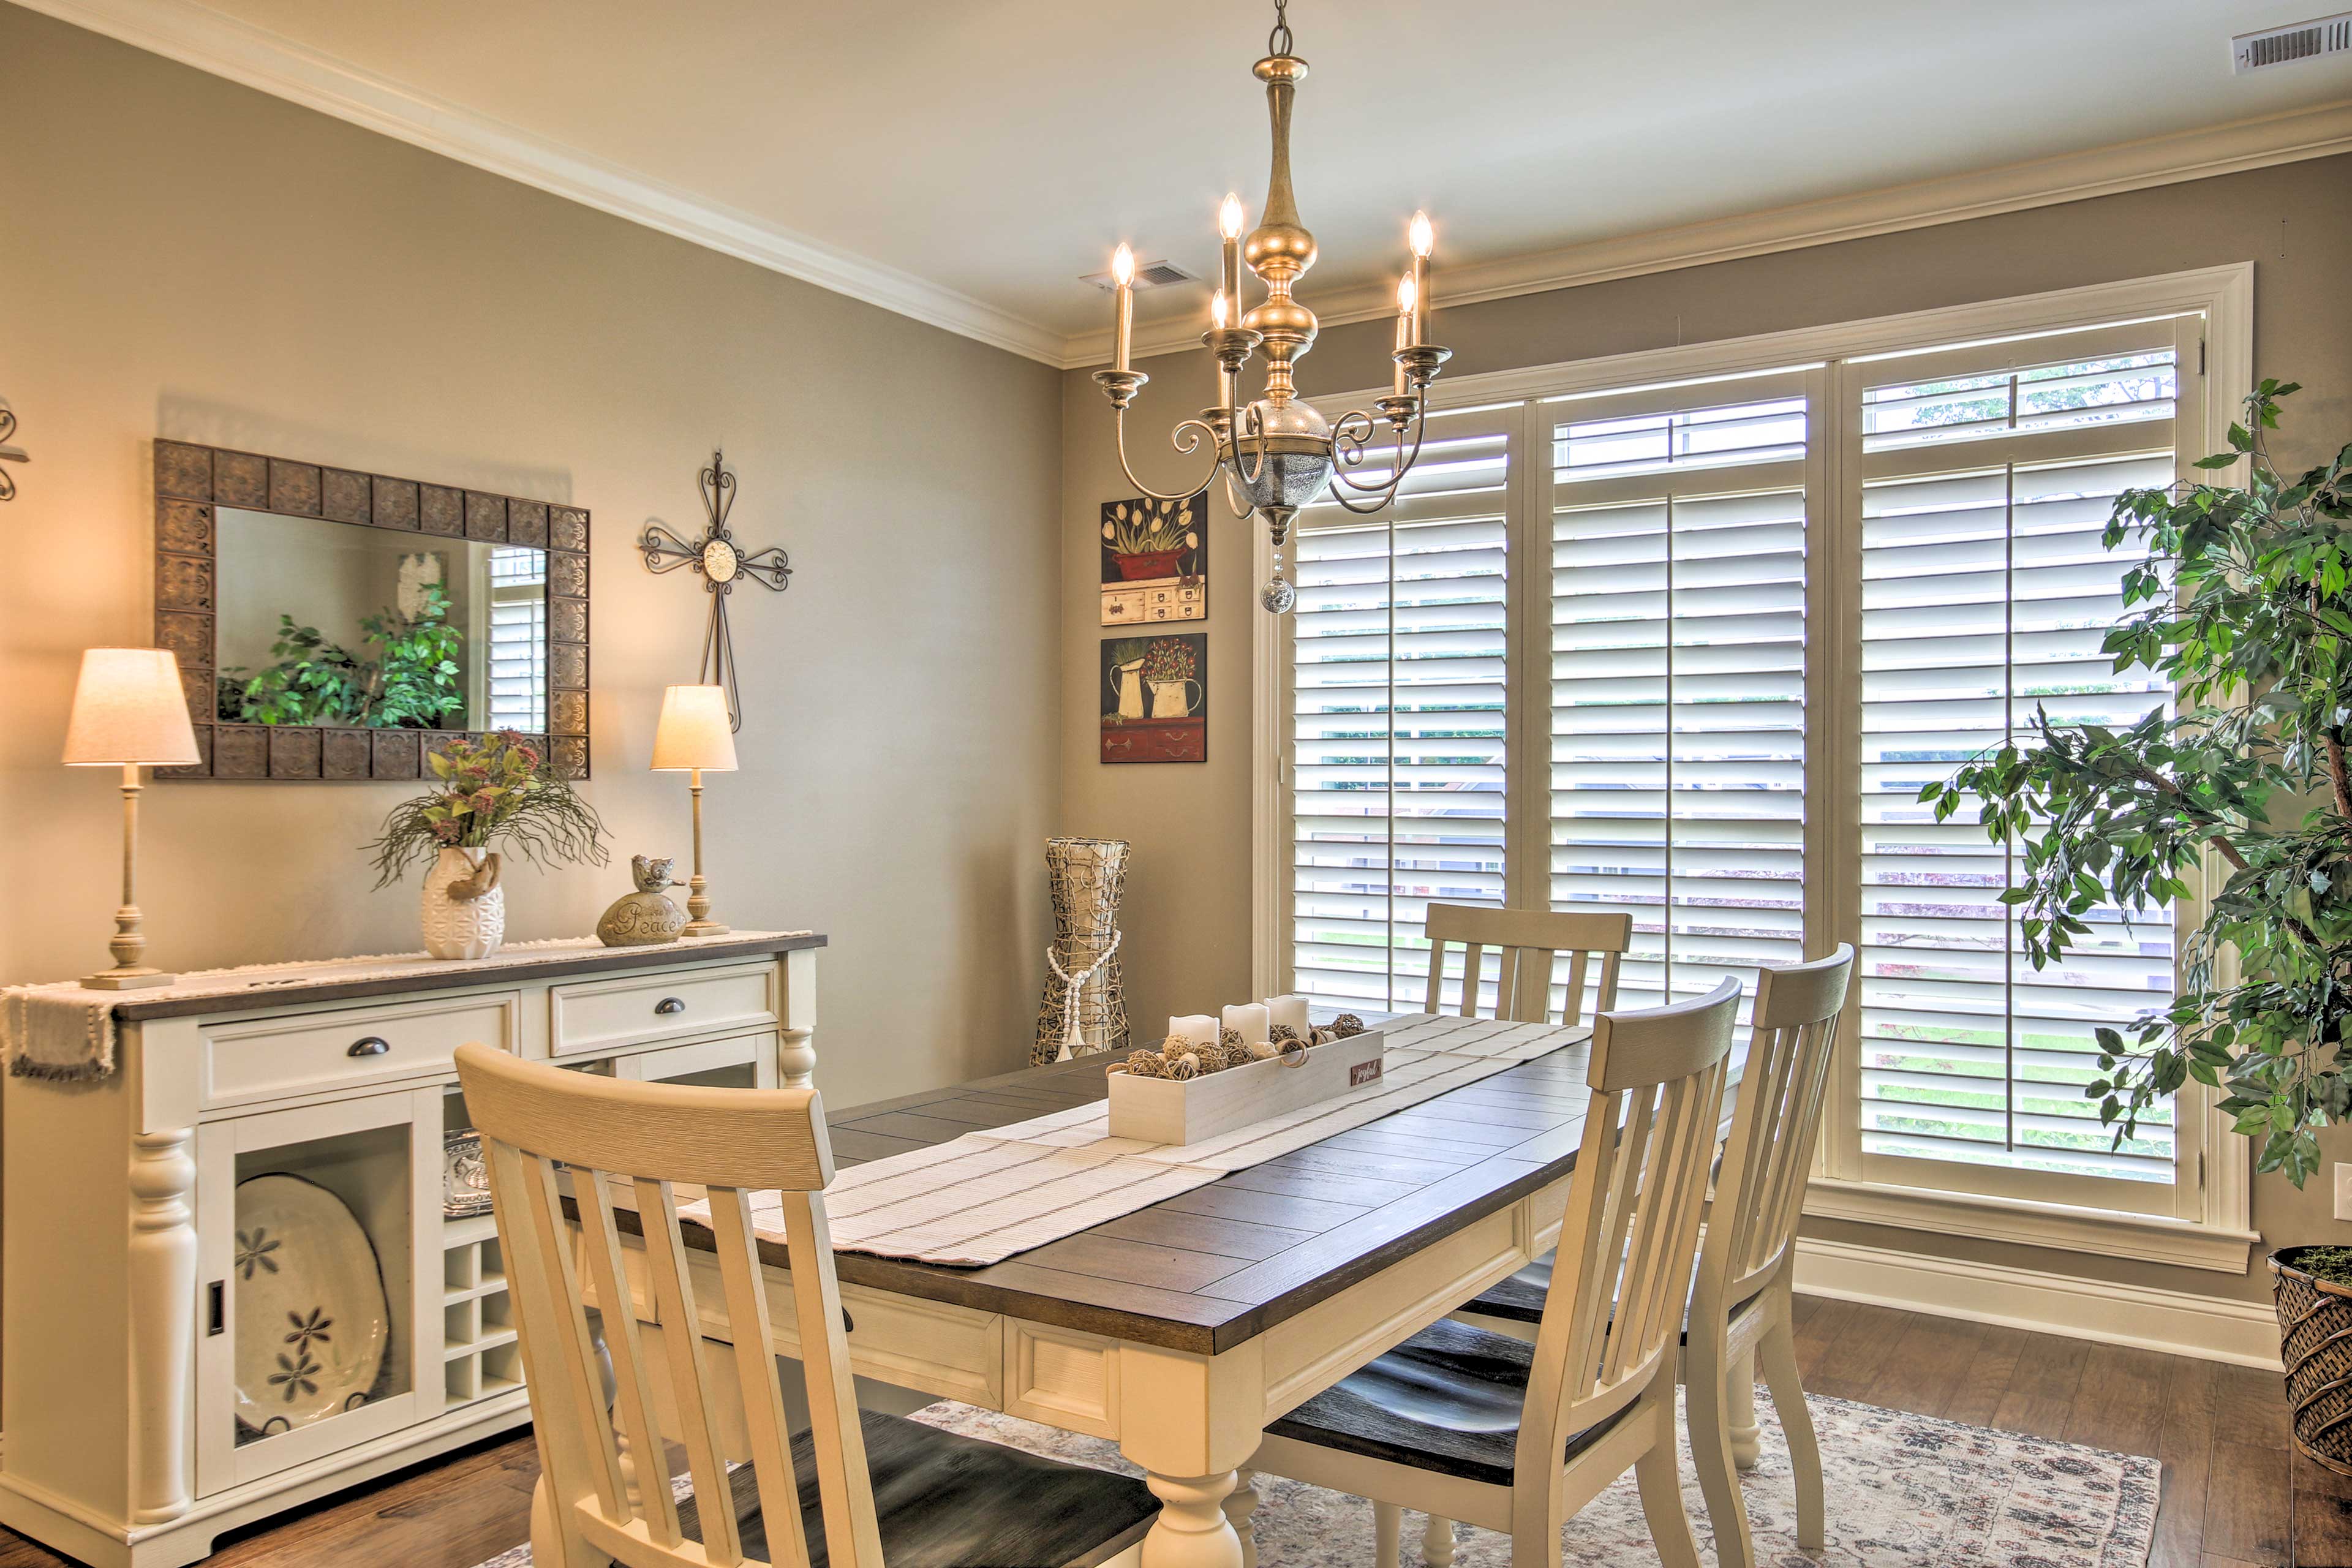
1155, 699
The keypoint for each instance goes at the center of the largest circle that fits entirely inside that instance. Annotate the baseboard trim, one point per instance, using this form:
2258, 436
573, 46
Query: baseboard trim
2242, 1334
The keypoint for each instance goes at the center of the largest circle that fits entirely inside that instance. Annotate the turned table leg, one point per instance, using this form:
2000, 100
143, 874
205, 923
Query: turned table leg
1192, 1531
1239, 1508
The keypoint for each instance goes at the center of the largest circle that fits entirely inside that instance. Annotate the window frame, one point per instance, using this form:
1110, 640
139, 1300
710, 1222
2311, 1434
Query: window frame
2210, 1225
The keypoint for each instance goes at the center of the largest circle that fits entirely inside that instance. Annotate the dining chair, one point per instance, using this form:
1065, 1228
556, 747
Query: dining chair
857, 1490
1527, 944
1463, 1422
1743, 1301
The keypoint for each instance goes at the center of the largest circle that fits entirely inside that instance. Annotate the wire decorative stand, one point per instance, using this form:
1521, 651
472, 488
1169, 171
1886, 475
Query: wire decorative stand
1087, 878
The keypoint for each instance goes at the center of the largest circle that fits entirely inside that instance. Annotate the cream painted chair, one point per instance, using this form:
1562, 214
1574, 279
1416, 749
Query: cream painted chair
1527, 944
1466, 1424
1743, 1301
946, 1501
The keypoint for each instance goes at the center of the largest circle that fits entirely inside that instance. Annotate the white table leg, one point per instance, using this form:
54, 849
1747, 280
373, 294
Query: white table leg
162, 1278
1746, 1440
1241, 1507
796, 1059
1192, 1531
1437, 1542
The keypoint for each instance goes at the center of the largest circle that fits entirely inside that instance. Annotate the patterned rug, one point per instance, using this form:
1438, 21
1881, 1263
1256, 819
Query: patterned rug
1904, 1491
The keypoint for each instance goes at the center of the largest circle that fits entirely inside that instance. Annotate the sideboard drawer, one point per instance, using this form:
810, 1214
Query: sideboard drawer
264, 1059
597, 1015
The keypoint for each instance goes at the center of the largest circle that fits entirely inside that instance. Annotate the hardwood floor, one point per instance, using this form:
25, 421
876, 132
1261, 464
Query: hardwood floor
2234, 1492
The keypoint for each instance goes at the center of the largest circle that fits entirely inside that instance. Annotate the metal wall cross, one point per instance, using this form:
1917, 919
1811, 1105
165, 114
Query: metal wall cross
720, 562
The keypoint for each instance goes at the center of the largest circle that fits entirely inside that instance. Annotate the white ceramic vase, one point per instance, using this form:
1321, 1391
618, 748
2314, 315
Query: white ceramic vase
464, 910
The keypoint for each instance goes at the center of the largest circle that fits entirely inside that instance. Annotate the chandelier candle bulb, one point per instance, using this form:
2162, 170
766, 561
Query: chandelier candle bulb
1122, 273
1251, 1020
1422, 239
1229, 220
1405, 293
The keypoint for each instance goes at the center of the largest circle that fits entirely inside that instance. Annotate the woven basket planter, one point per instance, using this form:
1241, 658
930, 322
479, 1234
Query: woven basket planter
2315, 1345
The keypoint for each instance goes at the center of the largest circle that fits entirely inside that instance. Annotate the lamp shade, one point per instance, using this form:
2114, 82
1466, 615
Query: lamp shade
129, 707
694, 732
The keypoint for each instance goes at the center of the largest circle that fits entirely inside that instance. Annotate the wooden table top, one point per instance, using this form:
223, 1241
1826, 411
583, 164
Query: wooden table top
1208, 1270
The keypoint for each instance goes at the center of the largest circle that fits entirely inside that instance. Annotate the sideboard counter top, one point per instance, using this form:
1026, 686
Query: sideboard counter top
335, 980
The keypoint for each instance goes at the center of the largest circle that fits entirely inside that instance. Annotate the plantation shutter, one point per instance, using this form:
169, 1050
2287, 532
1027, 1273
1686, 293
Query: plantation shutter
518, 653
1678, 667
1988, 473
1396, 767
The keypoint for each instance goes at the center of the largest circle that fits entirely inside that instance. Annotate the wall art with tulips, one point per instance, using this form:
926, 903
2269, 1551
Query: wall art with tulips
1155, 560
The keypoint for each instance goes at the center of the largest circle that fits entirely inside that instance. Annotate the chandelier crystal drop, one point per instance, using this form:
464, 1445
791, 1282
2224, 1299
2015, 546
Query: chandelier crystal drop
1276, 453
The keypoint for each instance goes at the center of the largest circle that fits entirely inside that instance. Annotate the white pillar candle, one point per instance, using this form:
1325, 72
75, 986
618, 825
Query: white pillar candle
1194, 1029
1250, 1019
1290, 1010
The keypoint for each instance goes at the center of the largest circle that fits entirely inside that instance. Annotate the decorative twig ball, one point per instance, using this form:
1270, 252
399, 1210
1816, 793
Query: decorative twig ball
1147, 1064
1216, 1057
1229, 1037
1187, 1065
1345, 1025
1280, 1032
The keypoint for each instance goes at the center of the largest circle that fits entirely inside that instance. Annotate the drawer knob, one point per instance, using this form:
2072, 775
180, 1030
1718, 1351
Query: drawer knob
374, 1046
668, 1005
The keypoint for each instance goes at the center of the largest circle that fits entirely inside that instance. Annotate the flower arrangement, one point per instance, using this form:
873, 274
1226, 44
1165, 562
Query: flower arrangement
497, 791
1168, 660
1151, 527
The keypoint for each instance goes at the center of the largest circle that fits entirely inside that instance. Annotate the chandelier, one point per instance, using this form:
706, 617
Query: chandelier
1276, 453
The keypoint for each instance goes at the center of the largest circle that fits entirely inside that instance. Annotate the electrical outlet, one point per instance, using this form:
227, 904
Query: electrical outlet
2344, 1189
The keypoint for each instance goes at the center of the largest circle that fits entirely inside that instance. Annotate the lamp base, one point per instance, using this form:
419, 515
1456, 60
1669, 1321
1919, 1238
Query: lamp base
131, 979
705, 928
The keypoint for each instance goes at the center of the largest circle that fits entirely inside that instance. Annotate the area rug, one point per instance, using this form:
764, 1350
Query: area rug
1904, 1491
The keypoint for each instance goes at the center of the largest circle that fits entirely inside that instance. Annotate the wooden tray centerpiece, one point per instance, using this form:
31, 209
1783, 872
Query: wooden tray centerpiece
1191, 1088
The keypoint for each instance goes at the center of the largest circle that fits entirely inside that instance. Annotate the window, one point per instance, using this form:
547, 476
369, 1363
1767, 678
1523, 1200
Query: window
1677, 704
1685, 634
1985, 593
1396, 754
517, 679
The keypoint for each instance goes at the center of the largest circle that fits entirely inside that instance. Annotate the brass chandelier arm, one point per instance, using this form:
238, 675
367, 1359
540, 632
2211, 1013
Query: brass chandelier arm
1186, 440
1382, 496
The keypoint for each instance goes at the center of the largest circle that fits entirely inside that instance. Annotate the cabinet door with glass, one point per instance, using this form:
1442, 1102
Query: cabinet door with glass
320, 1281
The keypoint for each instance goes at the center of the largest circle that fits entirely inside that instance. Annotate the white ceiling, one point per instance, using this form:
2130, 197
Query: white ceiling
998, 149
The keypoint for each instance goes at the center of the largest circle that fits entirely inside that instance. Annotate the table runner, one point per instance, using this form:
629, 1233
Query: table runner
991, 1193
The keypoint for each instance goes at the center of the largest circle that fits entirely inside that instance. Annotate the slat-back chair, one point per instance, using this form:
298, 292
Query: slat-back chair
1595, 1392
1527, 944
1744, 1301
547, 1135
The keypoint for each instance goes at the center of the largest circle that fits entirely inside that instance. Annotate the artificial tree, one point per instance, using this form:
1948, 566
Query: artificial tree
2245, 605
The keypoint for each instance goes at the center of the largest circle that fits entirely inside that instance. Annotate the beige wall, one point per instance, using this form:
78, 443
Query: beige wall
182, 256
1188, 922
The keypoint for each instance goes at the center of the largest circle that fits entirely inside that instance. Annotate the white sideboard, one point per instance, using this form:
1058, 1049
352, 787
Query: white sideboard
118, 1251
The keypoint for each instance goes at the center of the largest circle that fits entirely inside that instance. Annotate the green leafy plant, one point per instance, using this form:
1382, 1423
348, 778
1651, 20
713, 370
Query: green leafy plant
2242, 605
498, 792
2333, 1263
413, 685
1148, 527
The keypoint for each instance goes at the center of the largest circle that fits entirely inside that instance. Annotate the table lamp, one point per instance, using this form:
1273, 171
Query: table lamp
695, 734
129, 711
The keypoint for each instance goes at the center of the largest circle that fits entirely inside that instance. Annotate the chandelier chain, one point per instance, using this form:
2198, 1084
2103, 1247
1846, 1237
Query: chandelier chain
1279, 42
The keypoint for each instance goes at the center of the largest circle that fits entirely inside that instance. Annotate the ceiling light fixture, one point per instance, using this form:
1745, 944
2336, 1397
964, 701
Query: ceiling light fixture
1276, 453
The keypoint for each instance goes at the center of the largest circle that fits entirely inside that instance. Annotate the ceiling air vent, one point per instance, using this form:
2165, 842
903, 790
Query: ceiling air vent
1147, 275
2283, 46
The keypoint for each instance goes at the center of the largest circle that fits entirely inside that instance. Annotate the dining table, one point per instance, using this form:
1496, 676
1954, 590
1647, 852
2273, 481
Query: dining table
1180, 1330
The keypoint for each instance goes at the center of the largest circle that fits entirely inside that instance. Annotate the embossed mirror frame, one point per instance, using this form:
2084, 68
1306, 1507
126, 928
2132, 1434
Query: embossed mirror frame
191, 481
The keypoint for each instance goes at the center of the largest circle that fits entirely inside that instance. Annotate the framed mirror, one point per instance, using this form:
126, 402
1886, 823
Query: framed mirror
338, 625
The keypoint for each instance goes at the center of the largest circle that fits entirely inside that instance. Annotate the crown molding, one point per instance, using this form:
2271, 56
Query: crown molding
2315, 132
224, 46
